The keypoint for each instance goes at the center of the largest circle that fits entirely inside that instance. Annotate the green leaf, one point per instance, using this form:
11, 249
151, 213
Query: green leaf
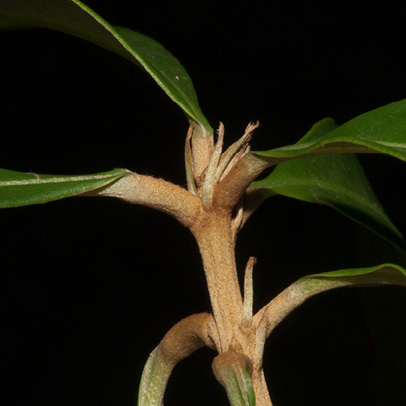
154, 380
337, 181
385, 274
75, 18
184, 338
304, 288
231, 370
21, 189
249, 389
240, 390
382, 130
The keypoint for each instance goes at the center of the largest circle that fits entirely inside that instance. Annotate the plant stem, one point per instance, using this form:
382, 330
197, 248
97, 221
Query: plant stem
213, 233
262, 397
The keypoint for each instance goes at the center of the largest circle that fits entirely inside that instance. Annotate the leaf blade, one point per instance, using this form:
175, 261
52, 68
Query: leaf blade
382, 130
75, 18
308, 286
336, 180
153, 380
22, 189
384, 274
170, 76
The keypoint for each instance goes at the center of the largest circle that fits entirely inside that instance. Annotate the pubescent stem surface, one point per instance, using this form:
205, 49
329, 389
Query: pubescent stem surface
213, 233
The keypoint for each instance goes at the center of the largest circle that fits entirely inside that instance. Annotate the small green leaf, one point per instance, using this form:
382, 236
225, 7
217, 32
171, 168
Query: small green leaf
304, 288
154, 380
249, 388
337, 181
21, 189
382, 130
230, 369
385, 274
184, 338
243, 392
75, 18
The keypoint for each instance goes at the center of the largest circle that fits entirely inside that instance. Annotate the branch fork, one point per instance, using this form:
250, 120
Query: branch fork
212, 208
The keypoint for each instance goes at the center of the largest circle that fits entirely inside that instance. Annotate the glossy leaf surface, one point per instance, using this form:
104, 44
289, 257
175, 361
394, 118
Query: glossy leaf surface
337, 181
382, 130
75, 18
21, 189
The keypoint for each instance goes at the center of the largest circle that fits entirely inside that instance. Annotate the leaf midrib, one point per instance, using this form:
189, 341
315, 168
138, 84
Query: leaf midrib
40, 181
325, 185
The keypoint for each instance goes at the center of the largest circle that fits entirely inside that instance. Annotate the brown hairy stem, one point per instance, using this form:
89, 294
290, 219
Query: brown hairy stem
230, 189
185, 337
155, 193
213, 209
213, 233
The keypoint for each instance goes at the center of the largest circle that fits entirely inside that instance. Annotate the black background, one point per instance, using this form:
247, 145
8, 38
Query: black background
90, 286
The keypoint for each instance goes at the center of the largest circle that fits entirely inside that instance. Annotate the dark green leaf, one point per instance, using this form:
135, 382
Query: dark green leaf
337, 181
382, 130
75, 18
21, 189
